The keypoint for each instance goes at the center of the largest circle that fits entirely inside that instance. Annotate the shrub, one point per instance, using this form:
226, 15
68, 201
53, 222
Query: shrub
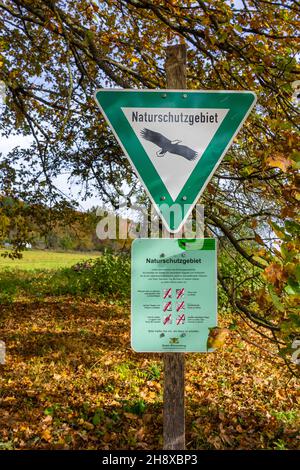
108, 275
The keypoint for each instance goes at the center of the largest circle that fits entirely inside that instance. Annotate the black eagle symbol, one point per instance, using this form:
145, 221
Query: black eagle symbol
166, 145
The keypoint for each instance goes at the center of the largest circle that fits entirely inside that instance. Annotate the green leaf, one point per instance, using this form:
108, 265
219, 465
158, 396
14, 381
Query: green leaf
49, 411
297, 272
233, 325
279, 231
276, 299
292, 227
261, 260
97, 418
293, 286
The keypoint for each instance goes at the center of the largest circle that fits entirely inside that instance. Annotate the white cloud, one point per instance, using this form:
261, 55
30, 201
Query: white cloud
8, 143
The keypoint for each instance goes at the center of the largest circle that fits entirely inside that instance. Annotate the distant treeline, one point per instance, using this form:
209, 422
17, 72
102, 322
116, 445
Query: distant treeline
38, 227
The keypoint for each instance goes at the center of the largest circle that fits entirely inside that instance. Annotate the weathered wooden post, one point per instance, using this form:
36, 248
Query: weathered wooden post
173, 413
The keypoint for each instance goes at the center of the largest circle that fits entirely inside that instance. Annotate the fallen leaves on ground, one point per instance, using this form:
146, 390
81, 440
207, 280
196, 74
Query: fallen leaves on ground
71, 381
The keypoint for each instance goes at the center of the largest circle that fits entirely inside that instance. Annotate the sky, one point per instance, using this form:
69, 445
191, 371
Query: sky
7, 144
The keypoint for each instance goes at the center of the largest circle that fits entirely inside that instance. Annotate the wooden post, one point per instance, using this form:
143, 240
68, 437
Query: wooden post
175, 67
174, 421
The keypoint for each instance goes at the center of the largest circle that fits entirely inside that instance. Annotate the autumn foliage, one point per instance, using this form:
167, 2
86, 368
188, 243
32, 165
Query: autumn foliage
72, 381
55, 54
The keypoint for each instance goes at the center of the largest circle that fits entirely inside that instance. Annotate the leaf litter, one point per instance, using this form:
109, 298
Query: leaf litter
71, 381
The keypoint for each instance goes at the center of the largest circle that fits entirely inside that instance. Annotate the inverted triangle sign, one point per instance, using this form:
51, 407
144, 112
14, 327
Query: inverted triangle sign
175, 140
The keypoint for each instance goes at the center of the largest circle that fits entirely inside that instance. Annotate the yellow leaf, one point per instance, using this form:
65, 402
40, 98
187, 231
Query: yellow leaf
157, 385
140, 434
274, 273
130, 416
9, 399
48, 419
46, 435
88, 426
217, 337
279, 161
23, 428
151, 395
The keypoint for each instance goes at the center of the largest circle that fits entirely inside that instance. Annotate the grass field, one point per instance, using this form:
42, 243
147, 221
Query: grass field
42, 259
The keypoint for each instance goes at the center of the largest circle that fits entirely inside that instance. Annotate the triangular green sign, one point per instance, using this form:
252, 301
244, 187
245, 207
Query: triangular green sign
175, 139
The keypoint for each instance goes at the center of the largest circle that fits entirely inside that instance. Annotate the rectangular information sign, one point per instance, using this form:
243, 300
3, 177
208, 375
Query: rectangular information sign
173, 294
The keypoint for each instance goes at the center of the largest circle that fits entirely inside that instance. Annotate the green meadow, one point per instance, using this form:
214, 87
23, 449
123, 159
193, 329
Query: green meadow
44, 260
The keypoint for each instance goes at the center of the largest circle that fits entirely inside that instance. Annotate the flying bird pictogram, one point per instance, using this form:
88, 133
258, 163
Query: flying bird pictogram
166, 145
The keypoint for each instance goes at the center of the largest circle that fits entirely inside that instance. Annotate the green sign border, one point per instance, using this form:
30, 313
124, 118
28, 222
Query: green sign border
239, 104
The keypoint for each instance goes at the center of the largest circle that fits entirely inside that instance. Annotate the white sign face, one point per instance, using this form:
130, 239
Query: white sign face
192, 128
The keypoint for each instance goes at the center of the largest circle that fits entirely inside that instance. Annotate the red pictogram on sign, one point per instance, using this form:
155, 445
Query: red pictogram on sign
180, 319
167, 306
167, 293
180, 306
168, 319
179, 293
